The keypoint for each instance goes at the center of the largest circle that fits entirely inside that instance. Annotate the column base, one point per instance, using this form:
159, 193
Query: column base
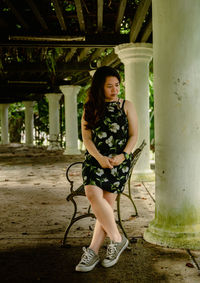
146, 176
173, 239
54, 146
29, 144
71, 151
4, 143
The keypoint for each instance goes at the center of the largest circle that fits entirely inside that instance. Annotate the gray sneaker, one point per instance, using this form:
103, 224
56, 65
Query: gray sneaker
114, 251
88, 260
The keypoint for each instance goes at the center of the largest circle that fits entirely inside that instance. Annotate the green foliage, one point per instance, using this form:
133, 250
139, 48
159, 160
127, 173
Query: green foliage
125, 26
81, 99
51, 58
41, 119
16, 121
69, 7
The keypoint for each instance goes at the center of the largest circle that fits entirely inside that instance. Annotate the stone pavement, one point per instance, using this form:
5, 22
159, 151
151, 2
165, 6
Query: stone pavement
35, 213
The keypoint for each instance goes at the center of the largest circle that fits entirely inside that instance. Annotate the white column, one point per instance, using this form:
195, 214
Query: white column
29, 122
136, 58
177, 124
4, 123
54, 120
71, 118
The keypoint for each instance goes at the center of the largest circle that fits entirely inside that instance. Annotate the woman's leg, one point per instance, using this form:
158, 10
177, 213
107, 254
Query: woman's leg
102, 205
98, 237
99, 234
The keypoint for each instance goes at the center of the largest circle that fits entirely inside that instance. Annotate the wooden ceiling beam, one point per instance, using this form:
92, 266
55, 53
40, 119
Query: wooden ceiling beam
147, 31
120, 15
139, 19
65, 44
70, 54
83, 80
109, 60
100, 16
37, 14
22, 82
79, 12
116, 63
17, 14
59, 14
83, 53
25, 68
96, 40
96, 54
21, 95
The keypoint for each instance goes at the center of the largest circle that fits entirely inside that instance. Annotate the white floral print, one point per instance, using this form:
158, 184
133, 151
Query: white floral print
114, 127
116, 184
102, 135
110, 141
100, 172
125, 169
111, 108
114, 171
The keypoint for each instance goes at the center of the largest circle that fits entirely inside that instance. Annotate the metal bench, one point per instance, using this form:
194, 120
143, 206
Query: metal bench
74, 192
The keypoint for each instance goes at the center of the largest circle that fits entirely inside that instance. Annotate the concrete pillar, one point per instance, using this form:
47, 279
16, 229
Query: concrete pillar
71, 118
177, 124
4, 123
29, 122
136, 58
54, 120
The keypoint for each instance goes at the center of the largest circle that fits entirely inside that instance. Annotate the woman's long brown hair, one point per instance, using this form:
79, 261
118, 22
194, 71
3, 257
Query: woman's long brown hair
95, 105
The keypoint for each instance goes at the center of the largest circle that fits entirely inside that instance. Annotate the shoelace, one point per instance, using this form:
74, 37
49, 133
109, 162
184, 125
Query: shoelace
86, 257
111, 251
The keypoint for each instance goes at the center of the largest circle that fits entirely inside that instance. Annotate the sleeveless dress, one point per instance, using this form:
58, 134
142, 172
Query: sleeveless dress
110, 137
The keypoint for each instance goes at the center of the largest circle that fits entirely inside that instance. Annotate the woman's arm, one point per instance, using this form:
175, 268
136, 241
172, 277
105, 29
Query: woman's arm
132, 131
104, 161
132, 126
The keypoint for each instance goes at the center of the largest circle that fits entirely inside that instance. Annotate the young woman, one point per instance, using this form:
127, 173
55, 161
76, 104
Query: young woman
109, 131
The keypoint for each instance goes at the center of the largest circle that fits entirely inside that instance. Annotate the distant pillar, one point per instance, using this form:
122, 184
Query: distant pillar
71, 118
4, 123
29, 122
54, 122
177, 124
136, 58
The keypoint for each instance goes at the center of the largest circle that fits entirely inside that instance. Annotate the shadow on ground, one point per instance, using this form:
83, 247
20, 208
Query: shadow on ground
51, 263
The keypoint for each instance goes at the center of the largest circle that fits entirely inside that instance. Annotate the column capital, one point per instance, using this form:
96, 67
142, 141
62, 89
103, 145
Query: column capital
70, 89
52, 96
134, 52
4, 106
28, 103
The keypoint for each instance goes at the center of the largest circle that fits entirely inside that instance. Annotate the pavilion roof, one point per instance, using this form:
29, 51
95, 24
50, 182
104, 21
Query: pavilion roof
47, 43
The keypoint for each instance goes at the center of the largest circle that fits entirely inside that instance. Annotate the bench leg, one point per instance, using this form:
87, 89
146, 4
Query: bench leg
130, 197
119, 221
75, 219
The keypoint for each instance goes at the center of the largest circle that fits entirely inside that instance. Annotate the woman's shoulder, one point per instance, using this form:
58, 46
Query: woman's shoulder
128, 106
125, 103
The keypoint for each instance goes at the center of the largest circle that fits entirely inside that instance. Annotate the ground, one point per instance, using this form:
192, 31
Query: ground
35, 213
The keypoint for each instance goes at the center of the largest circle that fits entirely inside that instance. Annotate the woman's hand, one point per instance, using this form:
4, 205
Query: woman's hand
105, 162
117, 159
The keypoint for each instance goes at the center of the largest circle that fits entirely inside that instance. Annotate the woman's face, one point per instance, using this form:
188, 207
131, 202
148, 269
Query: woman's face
111, 88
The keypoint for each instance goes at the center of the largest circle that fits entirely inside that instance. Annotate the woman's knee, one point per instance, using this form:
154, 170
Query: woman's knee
93, 193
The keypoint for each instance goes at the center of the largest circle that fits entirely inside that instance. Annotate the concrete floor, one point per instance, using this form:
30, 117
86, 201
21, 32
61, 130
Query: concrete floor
35, 213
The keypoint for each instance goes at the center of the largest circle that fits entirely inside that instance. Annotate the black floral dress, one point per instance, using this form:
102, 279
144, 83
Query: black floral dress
110, 137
